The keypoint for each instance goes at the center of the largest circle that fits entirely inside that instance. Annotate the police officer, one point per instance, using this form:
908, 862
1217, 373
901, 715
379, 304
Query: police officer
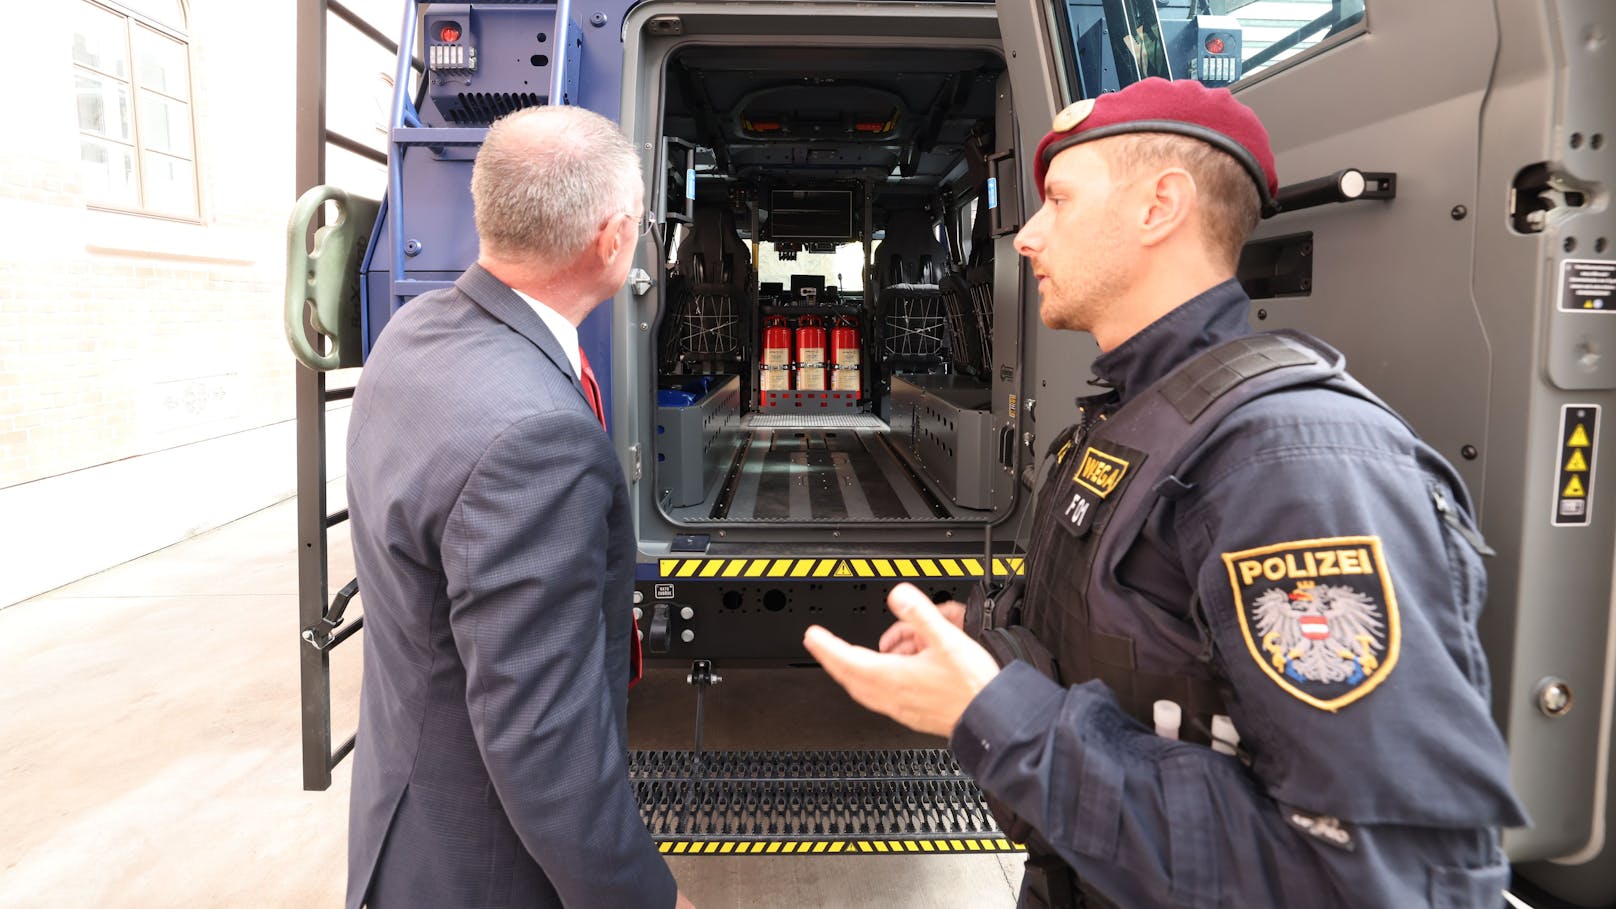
1243, 669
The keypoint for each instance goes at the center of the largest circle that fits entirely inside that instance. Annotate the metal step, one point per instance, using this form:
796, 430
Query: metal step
818, 802
816, 421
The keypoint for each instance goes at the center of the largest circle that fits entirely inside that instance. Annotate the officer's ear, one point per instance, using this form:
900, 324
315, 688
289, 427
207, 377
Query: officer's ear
609, 240
1168, 206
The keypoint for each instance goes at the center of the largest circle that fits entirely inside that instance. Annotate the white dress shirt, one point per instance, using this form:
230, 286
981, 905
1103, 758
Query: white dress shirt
566, 334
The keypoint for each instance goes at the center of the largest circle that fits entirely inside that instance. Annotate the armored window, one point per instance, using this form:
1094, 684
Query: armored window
1111, 44
132, 70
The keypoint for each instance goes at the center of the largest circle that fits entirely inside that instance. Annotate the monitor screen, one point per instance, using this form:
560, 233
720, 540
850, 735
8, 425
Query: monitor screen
798, 282
811, 214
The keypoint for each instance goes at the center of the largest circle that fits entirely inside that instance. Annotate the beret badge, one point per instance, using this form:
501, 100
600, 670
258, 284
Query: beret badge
1073, 114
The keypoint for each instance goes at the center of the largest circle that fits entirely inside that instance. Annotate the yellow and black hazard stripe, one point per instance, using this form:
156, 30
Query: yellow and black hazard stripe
836, 847
833, 568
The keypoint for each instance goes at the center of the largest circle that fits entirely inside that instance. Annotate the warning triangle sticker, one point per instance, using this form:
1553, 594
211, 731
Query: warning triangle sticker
1579, 438
1573, 489
1577, 464
843, 570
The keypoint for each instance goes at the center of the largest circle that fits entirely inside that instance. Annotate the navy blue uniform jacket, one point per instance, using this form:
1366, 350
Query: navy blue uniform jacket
491, 534
1390, 797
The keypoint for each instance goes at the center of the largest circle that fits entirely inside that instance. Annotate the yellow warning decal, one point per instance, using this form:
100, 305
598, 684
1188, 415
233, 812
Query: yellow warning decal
1577, 466
835, 847
844, 567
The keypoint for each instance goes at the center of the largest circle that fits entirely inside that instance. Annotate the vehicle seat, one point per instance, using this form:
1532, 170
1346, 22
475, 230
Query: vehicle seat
712, 293
970, 293
910, 315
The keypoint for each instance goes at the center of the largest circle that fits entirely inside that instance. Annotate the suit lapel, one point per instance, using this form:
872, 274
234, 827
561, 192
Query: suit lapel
502, 303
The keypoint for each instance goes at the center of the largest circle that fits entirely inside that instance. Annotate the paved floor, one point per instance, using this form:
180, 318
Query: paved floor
149, 749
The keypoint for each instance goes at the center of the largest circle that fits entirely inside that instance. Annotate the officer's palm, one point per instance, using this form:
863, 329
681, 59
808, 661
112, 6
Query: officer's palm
903, 638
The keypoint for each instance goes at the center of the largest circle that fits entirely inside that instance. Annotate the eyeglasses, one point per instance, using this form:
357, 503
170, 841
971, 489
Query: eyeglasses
645, 221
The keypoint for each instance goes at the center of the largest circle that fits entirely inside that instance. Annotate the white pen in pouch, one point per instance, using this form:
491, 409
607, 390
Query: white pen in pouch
1168, 716
1224, 736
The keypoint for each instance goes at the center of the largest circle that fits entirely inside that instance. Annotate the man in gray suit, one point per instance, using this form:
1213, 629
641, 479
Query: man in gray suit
491, 534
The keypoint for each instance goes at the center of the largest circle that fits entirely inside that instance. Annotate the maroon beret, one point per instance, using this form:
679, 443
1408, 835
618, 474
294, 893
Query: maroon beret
1154, 105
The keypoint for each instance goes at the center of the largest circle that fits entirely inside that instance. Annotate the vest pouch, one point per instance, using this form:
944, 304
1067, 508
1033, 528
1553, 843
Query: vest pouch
1017, 642
992, 606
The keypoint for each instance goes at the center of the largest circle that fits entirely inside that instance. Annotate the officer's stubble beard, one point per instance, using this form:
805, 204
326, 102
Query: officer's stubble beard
1096, 280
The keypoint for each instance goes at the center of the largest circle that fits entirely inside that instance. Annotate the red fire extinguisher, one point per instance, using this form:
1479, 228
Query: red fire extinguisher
844, 356
774, 366
810, 354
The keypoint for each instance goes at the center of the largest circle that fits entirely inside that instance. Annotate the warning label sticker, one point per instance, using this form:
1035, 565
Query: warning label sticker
1588, 285
1574, 484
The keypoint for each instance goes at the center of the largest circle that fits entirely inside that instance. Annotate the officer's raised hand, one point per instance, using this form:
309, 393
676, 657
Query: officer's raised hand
904, 638
926, 690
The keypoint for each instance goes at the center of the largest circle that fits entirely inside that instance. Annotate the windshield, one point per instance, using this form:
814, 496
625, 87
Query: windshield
842, 269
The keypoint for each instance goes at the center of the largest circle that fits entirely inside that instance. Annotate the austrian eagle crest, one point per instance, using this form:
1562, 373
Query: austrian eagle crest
1320, 633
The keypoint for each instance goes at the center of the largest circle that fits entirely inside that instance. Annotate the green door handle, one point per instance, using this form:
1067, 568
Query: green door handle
322, 285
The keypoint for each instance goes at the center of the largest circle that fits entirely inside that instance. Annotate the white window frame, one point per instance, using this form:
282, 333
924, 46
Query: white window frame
132, 21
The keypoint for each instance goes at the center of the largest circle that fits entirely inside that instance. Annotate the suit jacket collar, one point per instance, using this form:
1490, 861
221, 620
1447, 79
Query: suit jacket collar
502, 303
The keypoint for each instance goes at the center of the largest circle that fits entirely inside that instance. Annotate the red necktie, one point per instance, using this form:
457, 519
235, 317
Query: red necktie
591, 388
636, 666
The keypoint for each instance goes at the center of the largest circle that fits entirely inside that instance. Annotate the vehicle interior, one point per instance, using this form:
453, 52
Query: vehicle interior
826, 342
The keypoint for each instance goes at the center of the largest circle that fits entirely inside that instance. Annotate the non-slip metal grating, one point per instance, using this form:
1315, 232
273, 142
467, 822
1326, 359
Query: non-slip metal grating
817, 421
819, 802
483, 108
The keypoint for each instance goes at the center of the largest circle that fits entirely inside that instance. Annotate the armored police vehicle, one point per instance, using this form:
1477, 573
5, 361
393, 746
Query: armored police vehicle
827, 372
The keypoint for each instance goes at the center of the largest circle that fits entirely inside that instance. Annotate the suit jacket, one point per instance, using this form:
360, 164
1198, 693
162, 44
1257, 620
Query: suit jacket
491, 534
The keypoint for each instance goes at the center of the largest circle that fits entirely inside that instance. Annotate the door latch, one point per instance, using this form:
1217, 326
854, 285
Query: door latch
640, 281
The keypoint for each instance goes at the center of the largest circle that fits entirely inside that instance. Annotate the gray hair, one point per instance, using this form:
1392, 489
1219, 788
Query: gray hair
546, 179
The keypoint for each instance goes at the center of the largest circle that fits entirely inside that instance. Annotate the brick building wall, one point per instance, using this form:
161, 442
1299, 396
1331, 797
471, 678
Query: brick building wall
146, 390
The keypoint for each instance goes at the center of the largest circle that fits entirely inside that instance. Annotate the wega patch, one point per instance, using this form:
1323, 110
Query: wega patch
1100, 472
1095, 477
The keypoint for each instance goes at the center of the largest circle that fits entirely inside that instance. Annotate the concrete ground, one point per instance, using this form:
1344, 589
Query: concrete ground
149, 748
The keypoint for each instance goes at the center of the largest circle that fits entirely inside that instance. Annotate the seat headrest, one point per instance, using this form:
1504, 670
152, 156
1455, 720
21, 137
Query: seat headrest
911, 252
713, 248
981, 232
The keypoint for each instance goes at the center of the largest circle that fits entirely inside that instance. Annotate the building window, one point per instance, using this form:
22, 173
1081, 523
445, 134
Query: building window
133, 75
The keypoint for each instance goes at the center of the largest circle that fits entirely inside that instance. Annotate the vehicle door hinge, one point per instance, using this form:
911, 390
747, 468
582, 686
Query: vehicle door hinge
634, 466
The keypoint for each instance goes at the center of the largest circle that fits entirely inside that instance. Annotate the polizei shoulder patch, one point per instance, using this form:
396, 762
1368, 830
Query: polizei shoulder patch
1319, 616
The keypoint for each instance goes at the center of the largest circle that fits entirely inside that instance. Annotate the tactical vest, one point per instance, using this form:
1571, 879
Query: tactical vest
1108, 473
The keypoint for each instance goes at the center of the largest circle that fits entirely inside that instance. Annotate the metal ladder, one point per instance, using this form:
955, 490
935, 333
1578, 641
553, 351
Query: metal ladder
321, 618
